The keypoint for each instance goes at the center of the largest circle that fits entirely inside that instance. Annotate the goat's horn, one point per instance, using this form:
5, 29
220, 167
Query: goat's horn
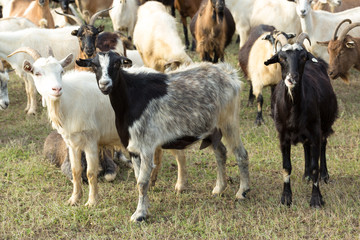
50, 51
277, 41
96, 15
32, 52
338, 26
75, 18
302, 37
347, 29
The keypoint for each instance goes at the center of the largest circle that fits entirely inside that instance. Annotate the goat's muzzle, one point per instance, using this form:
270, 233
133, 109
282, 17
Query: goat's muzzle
56, 92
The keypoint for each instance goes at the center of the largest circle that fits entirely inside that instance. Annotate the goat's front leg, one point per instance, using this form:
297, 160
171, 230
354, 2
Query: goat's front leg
220, 153
92, 160
259, 118
286, 197
75, 161
157, 161
146, 166
32, 94
316, 197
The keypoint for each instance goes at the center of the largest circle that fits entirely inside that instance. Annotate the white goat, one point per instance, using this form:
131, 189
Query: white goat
15, 23
60, 40
123, 15
250, 13
157, 39
4, 97
78, 111
320, 25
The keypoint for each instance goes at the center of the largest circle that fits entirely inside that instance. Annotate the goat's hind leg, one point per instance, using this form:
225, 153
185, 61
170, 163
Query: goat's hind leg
324, 175
220, 153
307, 161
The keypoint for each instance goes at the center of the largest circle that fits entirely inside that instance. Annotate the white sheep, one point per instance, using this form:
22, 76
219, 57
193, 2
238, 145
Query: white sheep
157, 39
123, 15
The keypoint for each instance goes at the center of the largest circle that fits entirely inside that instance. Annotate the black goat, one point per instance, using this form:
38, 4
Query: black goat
304, 108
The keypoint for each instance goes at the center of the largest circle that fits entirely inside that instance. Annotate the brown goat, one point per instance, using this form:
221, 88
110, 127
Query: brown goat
344, 52
89, 7
187, 8
342, 5
213, 27
56, 151
36, 11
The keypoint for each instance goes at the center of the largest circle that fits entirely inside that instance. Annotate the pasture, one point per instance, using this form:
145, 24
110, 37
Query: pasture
33, 193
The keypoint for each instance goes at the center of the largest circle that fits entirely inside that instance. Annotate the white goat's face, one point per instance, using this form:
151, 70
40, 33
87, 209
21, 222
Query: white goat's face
303, 7
47, 75
4, 97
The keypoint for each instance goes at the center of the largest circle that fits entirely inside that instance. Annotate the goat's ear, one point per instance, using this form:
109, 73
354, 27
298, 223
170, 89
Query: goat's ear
66, 61
172, 65
312, 57
290, 35
27, 66
350, 44
125, 61
326, 43
74, 32
100, 28
266, 37
83, 62
272, 60
292, 0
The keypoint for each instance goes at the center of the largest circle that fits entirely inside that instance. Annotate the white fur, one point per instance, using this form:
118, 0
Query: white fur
250, 13
15, 23
123, 15
4, 97
156, 37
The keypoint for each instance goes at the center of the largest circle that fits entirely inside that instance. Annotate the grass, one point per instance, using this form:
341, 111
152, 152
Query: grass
33, 192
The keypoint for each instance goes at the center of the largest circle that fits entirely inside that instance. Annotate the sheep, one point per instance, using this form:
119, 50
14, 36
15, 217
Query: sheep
84, 122
36, 11
344, 52
251, 60
36, 38
157, 40
335, 5
123, 15
312, 20
212, 27
251, 13
56, 151
4, 97
304, 108
174, 110
187, 8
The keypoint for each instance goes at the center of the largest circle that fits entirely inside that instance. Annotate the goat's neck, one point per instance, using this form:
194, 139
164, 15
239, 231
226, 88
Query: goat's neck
307, 23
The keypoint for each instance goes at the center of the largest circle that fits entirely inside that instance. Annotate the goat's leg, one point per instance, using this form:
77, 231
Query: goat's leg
76, 168
220, 153
251, 96
157, 162
307, 161
32, 93
187, 43
146, 167
108, 165
92, 160
24, 77
286, 197
181, 162
316, 197
259, 119
216, 57
324, 175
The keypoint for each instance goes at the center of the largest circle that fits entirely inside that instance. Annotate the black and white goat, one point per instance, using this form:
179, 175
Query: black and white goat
198, 102
304, 108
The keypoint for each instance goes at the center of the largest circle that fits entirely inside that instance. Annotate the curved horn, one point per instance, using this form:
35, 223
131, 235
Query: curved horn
75, 18
277, 41
302, 37
96, 15
347, 29
338, 26
32, 52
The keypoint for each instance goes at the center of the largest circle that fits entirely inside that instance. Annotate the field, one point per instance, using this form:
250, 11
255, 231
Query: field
33, 193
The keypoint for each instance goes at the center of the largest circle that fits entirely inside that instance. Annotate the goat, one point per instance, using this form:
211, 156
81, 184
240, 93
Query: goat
187, 8
15, 23
56, 151
62, 21
4, 97
311, 20
335, 5
212, 27
304, 108
36, 11
344, 52
156, 38
123, 15
167, 3
198, 102
88, 8
252, 58
251, 13
36, 38
84, 122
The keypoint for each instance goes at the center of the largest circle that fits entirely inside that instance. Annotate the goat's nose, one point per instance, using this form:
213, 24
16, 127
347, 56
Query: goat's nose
57, 89
6, 104
303, 11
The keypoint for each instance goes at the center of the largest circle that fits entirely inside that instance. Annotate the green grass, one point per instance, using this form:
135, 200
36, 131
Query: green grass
33, 192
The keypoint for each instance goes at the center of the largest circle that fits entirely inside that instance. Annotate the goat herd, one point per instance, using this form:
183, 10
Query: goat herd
159, 99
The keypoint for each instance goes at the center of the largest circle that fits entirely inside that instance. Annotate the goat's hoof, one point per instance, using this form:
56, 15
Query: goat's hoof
306, 177
179, 188
286, 198
73, 201
316, 201
90, 203
325, 177
218, 190
138, 217
241, 195
259, 122
110, 176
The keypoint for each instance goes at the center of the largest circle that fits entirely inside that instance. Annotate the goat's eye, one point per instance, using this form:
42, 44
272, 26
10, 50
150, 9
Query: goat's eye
38, 74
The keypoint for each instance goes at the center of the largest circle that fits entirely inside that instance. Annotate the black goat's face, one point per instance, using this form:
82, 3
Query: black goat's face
87, 36
64, 4
292, 59
106, 66
218, 7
